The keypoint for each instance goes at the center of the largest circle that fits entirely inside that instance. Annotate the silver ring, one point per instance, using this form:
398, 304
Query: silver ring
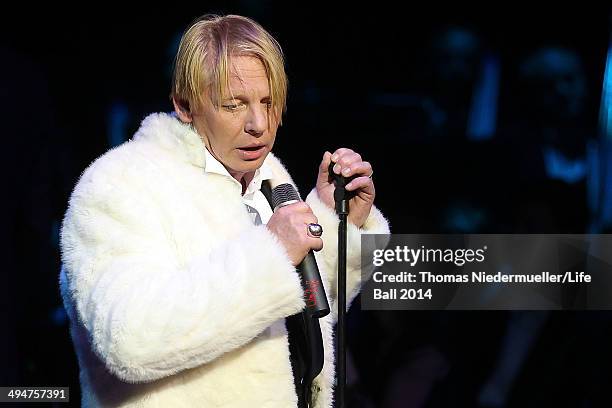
315, 230
370, 176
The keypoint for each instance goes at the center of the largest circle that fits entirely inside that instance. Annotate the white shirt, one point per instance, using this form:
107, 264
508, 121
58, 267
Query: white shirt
253, 198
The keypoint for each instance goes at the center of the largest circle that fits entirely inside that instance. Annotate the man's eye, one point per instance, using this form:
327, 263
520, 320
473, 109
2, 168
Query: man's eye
233, 106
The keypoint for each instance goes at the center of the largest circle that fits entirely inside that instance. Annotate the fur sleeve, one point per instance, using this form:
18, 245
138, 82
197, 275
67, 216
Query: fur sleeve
375, 224
149, 315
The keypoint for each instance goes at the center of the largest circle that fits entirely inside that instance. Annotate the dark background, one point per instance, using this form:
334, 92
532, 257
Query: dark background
397, 84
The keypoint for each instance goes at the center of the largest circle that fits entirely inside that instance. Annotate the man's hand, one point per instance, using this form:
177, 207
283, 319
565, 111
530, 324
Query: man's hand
290, 225
348, 163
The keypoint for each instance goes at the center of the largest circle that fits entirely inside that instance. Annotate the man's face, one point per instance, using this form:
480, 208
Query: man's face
241, 133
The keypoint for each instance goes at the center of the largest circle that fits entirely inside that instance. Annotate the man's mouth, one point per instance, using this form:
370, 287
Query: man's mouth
252, 152
252, 148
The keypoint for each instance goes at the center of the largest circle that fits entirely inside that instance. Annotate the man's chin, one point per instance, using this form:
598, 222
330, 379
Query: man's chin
248, 166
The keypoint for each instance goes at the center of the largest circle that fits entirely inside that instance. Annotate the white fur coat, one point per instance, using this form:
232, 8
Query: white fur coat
175, 298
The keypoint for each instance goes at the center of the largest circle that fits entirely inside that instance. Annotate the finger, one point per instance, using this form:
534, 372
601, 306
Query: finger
358, 169
348, 158
311, 235
345, 161
302, 207
339, 152
324, 167
310, 219
361, 183
299, 207
316, 244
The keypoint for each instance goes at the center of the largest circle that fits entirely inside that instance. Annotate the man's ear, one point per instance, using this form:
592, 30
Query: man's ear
182, 110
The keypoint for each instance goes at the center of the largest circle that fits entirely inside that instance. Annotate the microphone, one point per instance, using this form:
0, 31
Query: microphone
314, 293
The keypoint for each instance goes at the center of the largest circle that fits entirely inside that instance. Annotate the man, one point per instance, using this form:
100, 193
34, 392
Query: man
177, 295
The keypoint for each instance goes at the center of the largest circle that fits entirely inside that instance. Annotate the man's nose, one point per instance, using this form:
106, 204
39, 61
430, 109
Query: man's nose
257, 120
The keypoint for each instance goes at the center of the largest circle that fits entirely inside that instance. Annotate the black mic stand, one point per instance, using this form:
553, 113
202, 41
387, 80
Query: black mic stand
342, 213
341, 197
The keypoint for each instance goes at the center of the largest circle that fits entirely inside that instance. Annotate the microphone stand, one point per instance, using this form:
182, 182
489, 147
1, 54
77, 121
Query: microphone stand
341, 197
341, 305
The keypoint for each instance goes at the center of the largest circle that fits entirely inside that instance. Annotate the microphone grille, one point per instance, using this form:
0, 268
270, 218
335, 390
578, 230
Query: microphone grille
283, 193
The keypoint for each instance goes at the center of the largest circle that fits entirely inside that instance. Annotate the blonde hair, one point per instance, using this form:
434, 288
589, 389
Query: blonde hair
202, 68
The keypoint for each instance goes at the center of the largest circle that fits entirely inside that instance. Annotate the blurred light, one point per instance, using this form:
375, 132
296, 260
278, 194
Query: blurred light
600, 189
483, 113
605, 113
117, 123
58, 316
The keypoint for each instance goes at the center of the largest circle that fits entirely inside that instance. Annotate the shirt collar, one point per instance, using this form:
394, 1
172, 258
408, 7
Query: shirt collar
214, 166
